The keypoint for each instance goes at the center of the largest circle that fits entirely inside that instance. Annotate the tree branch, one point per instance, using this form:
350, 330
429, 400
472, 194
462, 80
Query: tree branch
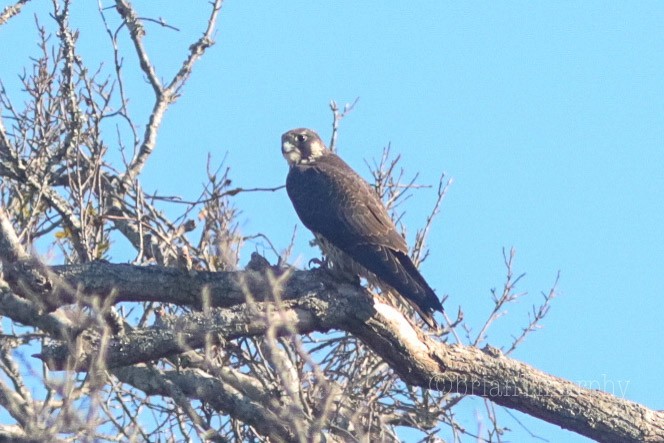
11, 10
200, 386
419, 359
164, 95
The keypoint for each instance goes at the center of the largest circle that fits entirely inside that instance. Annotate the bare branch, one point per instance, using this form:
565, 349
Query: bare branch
17, 435
164, 96
419, 250
538, 315
137, 32
420, 360
230, 193
336, 120
21, 271
200, 386
506, 296
11, 11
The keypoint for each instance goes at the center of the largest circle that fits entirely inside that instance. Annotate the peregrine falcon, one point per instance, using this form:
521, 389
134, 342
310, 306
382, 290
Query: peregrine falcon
350, 222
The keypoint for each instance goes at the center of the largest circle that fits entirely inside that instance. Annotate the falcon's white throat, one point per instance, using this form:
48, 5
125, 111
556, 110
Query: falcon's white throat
291, 153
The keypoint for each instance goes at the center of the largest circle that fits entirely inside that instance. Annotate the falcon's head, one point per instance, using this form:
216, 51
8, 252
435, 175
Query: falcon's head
301, 145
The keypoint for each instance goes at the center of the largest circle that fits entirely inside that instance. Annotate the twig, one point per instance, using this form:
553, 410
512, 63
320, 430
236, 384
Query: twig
337, 117
538, 315
231, 193
419, 250
505, 297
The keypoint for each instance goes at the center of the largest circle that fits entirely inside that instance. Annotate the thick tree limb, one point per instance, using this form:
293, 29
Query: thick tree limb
191, 331
21, 271
127, 283
28, 313
324, 304
14, 434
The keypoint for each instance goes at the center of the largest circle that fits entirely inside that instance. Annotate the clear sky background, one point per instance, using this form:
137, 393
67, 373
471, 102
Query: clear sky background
549, 118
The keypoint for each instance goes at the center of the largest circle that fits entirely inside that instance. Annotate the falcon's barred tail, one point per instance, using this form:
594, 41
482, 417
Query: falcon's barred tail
397, 270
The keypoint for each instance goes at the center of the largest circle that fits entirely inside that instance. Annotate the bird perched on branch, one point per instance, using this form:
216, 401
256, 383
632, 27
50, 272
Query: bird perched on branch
350, 222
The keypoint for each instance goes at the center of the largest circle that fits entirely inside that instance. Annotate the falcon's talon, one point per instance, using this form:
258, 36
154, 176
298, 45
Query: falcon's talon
350, 223
322, 264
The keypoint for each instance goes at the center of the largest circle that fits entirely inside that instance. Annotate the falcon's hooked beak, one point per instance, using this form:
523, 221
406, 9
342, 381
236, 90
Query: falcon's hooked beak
301, 146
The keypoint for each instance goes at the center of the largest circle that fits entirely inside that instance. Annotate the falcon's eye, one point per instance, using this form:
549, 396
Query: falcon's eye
301, 137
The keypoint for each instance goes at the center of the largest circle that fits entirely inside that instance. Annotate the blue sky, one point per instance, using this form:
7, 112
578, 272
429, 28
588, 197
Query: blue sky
549, 118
